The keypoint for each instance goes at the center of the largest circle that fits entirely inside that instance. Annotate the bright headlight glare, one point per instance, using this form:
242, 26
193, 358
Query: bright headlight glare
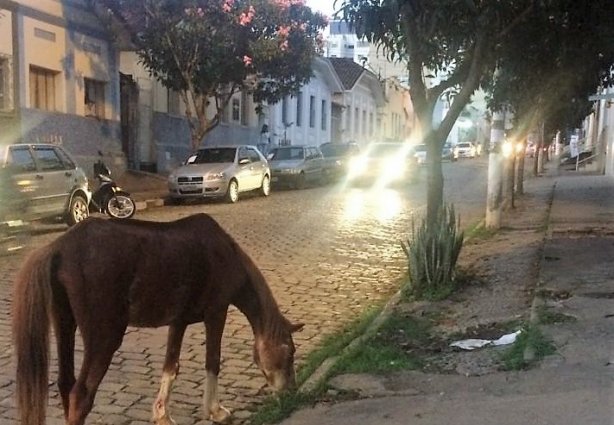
358, 165
507, 148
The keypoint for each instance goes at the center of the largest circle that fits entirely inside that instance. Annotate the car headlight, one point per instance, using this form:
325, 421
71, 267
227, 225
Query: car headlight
215, 176
357, 166
395, 168
172, 178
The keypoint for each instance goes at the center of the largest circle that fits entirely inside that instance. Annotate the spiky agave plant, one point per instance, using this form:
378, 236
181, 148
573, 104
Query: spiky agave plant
432, 253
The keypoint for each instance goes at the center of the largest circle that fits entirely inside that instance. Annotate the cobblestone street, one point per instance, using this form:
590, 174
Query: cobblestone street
327, 253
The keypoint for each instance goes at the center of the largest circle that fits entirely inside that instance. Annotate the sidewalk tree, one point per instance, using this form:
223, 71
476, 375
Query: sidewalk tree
208, 50
562, 53
451, 48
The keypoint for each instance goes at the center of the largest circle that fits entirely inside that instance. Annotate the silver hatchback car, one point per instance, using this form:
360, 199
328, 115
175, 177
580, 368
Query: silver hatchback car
222, 171
48, 180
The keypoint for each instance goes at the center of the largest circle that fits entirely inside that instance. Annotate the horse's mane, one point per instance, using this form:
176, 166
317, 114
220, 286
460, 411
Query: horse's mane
271, 319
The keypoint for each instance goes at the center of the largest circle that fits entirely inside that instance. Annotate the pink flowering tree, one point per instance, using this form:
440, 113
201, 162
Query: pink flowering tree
208, 50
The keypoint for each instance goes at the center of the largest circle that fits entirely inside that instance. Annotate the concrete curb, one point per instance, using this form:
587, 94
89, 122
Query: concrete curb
322, 372
538, 301
149, 203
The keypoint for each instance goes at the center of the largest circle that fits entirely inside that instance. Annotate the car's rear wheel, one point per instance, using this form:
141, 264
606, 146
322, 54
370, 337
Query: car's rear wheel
77, 211
232, 194
265, 188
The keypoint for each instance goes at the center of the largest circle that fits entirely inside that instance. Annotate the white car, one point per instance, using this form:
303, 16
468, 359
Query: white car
420, 153
465, 150
222, 171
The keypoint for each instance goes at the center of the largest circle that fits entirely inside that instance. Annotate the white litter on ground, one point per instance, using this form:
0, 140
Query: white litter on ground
472, 344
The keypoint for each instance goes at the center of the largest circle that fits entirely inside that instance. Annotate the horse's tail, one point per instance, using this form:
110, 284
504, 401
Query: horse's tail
31, 316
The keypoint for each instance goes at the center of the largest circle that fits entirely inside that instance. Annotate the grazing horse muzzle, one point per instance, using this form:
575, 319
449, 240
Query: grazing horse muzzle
276, 360
281, 380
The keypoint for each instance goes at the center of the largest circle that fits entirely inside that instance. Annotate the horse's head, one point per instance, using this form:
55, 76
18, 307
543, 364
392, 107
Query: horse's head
275, 357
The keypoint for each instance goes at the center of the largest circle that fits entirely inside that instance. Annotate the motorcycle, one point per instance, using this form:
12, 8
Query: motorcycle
109, 198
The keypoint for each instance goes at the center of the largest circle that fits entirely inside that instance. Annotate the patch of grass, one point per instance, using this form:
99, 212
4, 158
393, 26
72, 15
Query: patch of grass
549, 317
274, 409
479, 232
531, 339
333, 344
396, 346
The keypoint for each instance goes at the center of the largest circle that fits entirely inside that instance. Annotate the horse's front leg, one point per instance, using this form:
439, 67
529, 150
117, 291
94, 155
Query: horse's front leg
214, 325
160, 413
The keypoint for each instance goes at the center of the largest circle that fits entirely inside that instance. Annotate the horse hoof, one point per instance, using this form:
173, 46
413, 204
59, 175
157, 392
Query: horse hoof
166, 420
220, 416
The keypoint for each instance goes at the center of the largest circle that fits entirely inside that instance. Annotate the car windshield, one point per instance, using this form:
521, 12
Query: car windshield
213, 156
282, 154
337, 150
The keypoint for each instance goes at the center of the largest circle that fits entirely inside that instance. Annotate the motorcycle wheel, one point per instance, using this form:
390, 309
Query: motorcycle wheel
120, 206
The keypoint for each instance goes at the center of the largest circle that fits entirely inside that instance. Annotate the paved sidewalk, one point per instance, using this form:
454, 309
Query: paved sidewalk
575, 386
147, 189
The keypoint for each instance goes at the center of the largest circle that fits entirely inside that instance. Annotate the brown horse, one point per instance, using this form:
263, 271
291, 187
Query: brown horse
104, 275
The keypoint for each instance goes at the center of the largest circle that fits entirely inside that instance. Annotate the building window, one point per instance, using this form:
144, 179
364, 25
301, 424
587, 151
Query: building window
299, 109
371, 124
223, 115
312, 111
173, 101
324, 115
364, 122
236, 110
348, 119
42, 88
94, 98
284, 111
6, 103
244, 108
356, 121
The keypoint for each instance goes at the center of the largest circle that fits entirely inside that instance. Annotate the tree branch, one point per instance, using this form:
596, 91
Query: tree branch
516, 20
470, 85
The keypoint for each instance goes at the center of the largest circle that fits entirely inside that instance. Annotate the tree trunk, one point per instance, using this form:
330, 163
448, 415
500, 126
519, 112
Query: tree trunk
540, 157
494, 201
509, 168
519, 184
434, 199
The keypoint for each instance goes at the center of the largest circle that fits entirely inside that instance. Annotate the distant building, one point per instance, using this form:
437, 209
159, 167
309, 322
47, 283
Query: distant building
357, 106
599, 129
160, 135
342, 42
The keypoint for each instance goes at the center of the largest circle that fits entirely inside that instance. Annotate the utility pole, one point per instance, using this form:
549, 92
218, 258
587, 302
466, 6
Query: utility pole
494, 200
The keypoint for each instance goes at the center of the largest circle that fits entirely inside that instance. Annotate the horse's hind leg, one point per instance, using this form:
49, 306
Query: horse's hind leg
98, 352
65, 327
214, 325
160, 413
